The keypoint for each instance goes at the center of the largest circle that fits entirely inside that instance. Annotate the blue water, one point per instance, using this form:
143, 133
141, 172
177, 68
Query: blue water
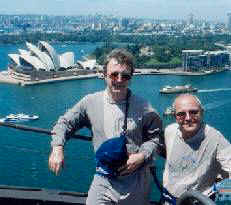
24, 155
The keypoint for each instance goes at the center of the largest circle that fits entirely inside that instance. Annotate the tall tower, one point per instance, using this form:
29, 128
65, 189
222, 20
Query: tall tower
190, 18
125, 22
229, 22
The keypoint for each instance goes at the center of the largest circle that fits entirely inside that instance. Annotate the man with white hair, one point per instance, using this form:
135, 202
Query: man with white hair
196, 152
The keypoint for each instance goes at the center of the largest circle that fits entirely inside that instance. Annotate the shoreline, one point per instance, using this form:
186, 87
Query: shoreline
178, 71
6, 78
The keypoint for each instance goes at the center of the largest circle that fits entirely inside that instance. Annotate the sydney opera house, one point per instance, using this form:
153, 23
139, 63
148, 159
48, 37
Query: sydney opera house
41, 62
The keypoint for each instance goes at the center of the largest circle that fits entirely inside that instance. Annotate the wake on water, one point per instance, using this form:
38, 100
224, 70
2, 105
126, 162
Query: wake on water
214, 90
210, 106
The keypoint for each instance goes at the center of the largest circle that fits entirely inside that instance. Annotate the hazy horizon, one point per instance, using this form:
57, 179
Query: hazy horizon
157, 9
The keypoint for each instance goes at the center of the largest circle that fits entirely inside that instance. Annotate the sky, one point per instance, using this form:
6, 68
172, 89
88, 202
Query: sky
158, 9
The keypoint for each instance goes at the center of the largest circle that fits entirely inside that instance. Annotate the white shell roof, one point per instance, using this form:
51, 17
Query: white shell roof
22, 51
34, 61
67, 59
42, 56
15, 58
88, 63
51, 52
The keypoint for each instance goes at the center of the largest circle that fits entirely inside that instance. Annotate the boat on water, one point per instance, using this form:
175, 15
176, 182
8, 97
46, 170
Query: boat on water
100, 75
18, 117
178, 89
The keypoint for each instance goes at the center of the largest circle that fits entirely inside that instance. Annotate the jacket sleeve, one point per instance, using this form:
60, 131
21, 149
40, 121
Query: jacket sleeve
224, 154
73, 120
153, 140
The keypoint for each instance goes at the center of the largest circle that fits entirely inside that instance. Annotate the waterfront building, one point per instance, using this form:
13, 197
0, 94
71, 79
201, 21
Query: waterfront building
227, 49
199, 60
43, 63
217, 59
42, 57
189, 57
89, 64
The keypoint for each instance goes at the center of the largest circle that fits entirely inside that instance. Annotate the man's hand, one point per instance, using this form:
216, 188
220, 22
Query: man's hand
134, 162
56, 159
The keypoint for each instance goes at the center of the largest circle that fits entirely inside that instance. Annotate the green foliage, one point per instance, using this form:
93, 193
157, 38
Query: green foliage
175, 60
152, 61
166, 49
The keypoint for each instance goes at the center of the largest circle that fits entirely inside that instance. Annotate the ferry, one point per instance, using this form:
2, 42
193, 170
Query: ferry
18, 117
100, 75
178, 89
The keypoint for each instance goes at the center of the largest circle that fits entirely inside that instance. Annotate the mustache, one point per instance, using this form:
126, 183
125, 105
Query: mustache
188, 122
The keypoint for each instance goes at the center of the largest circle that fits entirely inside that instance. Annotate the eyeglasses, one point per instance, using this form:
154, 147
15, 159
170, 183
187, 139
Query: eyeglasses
192, 113
124, 76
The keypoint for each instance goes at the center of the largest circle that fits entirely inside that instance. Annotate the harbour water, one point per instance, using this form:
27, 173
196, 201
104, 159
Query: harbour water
24, 155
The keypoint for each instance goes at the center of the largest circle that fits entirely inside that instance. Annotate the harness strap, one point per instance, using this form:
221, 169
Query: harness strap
165, 195
102, 168
126, 111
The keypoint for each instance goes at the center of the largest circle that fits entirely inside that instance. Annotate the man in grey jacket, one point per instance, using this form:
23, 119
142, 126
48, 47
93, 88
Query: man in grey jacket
196, 152
104, 114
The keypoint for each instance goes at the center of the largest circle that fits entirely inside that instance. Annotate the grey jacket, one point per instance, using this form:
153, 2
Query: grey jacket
196, 162
105, 119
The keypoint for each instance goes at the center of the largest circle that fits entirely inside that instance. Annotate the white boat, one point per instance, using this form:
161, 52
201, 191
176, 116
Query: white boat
100, 75
19, 117
178, 89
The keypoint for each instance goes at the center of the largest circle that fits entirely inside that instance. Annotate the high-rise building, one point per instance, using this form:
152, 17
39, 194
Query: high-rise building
229, 22
191, 18
188, 56
198, 60
125, 22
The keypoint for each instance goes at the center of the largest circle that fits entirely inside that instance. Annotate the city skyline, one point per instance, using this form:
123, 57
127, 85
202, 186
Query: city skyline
157, 9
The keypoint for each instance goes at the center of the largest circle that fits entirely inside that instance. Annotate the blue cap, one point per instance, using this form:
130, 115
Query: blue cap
110, 156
